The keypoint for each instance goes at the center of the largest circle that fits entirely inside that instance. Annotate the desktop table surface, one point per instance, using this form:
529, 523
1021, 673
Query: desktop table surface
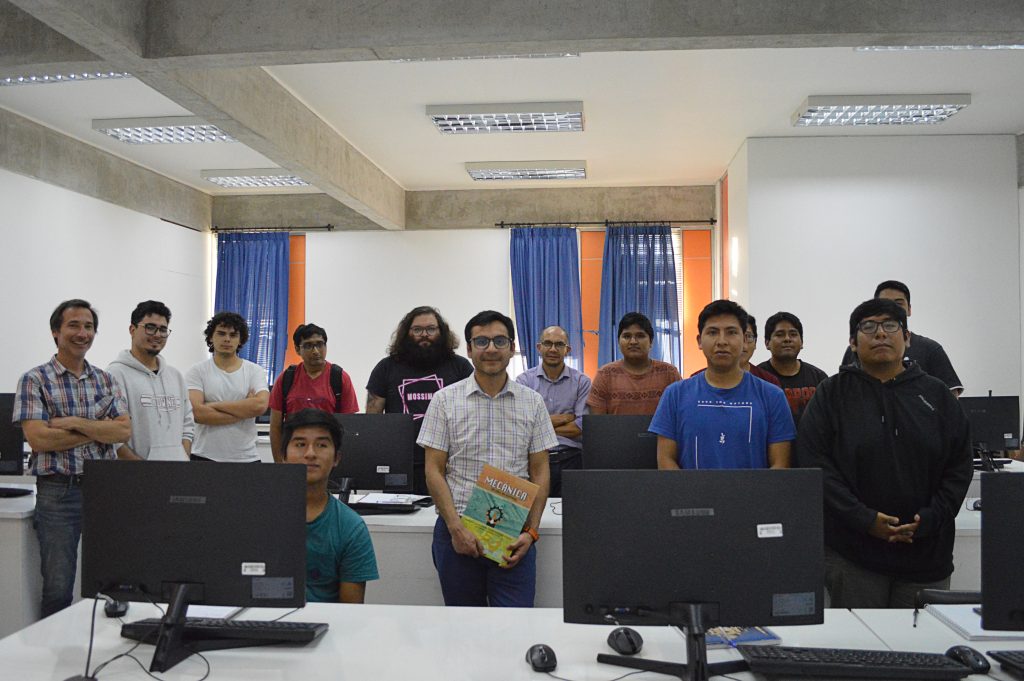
385, 642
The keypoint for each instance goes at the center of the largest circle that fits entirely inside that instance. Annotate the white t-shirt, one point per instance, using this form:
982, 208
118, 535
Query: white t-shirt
234, 441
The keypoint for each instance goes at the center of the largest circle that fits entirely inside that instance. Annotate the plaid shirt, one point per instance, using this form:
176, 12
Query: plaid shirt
475, 428
49, 391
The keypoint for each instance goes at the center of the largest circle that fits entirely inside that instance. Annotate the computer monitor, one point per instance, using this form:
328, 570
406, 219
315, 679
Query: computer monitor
619, 442
1002, 551
692, 549
376, 452
995, 422
181, 533
12, 440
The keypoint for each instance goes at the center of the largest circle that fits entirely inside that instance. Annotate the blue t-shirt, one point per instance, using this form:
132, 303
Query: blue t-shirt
338, 549
723, 428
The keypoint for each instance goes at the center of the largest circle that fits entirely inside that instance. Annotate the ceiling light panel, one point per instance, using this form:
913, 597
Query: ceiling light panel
463, 119
527, 170
529, 55
872, 110
165, 130
253, 178
43, 79
933, 48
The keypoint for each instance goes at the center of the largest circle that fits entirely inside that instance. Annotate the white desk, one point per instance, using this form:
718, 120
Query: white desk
384, 643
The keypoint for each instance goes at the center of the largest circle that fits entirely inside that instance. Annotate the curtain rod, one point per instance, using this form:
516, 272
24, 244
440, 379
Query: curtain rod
315, 228
606, 223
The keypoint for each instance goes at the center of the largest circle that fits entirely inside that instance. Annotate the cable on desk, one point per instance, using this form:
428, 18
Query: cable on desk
92, 633
556, 509
868, 627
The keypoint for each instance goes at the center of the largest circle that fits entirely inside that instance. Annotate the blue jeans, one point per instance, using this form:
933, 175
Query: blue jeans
480, 581
58, 524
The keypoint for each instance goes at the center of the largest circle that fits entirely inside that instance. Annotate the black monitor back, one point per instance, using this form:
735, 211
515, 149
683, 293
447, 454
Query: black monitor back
612, 441
746, 543
12, 440
995, 422
237, 530
377, 451
1002, 551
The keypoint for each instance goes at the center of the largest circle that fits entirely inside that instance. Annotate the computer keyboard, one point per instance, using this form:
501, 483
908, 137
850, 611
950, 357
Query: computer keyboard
258, 631
1010, 660
838, 662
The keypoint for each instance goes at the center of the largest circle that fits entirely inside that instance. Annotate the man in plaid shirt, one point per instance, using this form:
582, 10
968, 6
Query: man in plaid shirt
70, 411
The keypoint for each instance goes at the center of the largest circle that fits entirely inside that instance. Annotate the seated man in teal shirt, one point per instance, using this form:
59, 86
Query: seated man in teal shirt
339, 553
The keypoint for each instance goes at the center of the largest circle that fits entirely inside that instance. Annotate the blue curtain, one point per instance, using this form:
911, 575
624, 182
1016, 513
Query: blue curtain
639, 275
252, 280
546, 288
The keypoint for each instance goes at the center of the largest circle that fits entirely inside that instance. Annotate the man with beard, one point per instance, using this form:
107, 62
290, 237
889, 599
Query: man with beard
421, 360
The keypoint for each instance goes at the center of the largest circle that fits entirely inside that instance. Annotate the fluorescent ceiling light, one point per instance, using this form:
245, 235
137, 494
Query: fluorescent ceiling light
43, 79
164, 130
531, 55
527, 170
933, 48
878, 110
253, 178
461, 119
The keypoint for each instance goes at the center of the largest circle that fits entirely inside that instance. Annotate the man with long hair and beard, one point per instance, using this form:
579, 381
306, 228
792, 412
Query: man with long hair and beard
421, 360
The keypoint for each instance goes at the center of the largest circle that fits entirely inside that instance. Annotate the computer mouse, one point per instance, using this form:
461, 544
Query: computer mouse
114, 608
970, 658
625, 641
541, 657
976, 504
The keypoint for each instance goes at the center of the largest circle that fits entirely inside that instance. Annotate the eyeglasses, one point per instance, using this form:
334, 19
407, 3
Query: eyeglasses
749, 337
557, 345
315, 345
870, 326
424, 330
154, 330
500, 342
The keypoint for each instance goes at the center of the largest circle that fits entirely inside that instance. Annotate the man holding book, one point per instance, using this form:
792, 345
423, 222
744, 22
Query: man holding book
485, 419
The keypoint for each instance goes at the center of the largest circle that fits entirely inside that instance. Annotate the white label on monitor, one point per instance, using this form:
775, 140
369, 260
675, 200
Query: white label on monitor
1007, 436
769, 530
254, 569
383, 469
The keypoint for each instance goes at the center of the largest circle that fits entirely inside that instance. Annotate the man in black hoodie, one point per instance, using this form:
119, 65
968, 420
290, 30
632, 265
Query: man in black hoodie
895, 450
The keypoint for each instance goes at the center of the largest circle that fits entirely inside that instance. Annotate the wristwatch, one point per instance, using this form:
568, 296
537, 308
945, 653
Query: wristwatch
532, 532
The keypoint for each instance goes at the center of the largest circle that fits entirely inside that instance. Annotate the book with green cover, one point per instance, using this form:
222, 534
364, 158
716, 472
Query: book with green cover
727, 637
497, 510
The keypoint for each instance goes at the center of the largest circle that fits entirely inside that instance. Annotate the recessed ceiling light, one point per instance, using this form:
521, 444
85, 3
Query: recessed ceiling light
461, 119
253, 178
530, 55
871, 110
43, 79
163, 130
527, 170
933, 48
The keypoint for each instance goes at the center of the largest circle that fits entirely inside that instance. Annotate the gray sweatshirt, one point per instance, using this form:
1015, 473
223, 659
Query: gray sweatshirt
159, 407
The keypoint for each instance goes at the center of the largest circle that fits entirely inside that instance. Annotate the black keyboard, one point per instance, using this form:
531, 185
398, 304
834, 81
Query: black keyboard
862, 664
1010, 660
258, 631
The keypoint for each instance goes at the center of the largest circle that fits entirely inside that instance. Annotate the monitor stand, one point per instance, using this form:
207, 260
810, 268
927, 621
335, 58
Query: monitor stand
696, 668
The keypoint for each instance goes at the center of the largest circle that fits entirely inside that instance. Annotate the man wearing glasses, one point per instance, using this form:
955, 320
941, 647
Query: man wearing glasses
565, 391
485, 418
314, 384
421, 360
894, 447
161, 413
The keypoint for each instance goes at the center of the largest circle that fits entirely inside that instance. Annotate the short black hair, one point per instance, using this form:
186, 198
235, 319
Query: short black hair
720, 307
773, 321
751, 326
304, 331
57, 316
635, 319
489, 317
873, 307
312, 418
895, 285
230, 319
148, 307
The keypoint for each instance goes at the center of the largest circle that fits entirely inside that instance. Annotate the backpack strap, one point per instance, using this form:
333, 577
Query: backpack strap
337, 378
287, 378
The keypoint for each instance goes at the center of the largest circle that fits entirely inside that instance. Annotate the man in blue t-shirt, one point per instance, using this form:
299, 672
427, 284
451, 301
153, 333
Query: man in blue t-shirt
339, 553
723, 417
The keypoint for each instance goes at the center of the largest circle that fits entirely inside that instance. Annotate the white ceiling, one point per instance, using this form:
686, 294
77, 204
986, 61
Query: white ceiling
651, 118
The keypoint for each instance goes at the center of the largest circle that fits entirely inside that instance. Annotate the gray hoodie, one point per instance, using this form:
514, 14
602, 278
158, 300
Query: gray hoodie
159, 407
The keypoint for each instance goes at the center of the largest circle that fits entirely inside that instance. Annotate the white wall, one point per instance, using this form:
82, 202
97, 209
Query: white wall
829, 218
359, 285
57, 244
737, 249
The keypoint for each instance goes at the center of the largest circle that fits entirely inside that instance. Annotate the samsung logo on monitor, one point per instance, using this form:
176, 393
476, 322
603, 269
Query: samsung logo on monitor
180, 499
691, 512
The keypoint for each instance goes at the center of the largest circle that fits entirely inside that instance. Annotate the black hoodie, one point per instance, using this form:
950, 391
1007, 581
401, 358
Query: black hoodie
902, 448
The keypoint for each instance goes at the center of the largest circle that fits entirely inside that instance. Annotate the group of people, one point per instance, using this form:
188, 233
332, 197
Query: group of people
887, 432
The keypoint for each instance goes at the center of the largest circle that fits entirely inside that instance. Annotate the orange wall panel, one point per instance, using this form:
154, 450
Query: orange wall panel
296, 292
591, 257
697, 293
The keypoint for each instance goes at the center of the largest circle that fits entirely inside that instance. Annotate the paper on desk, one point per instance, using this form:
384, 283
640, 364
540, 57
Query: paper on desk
963, 620
381, 498
222, 612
